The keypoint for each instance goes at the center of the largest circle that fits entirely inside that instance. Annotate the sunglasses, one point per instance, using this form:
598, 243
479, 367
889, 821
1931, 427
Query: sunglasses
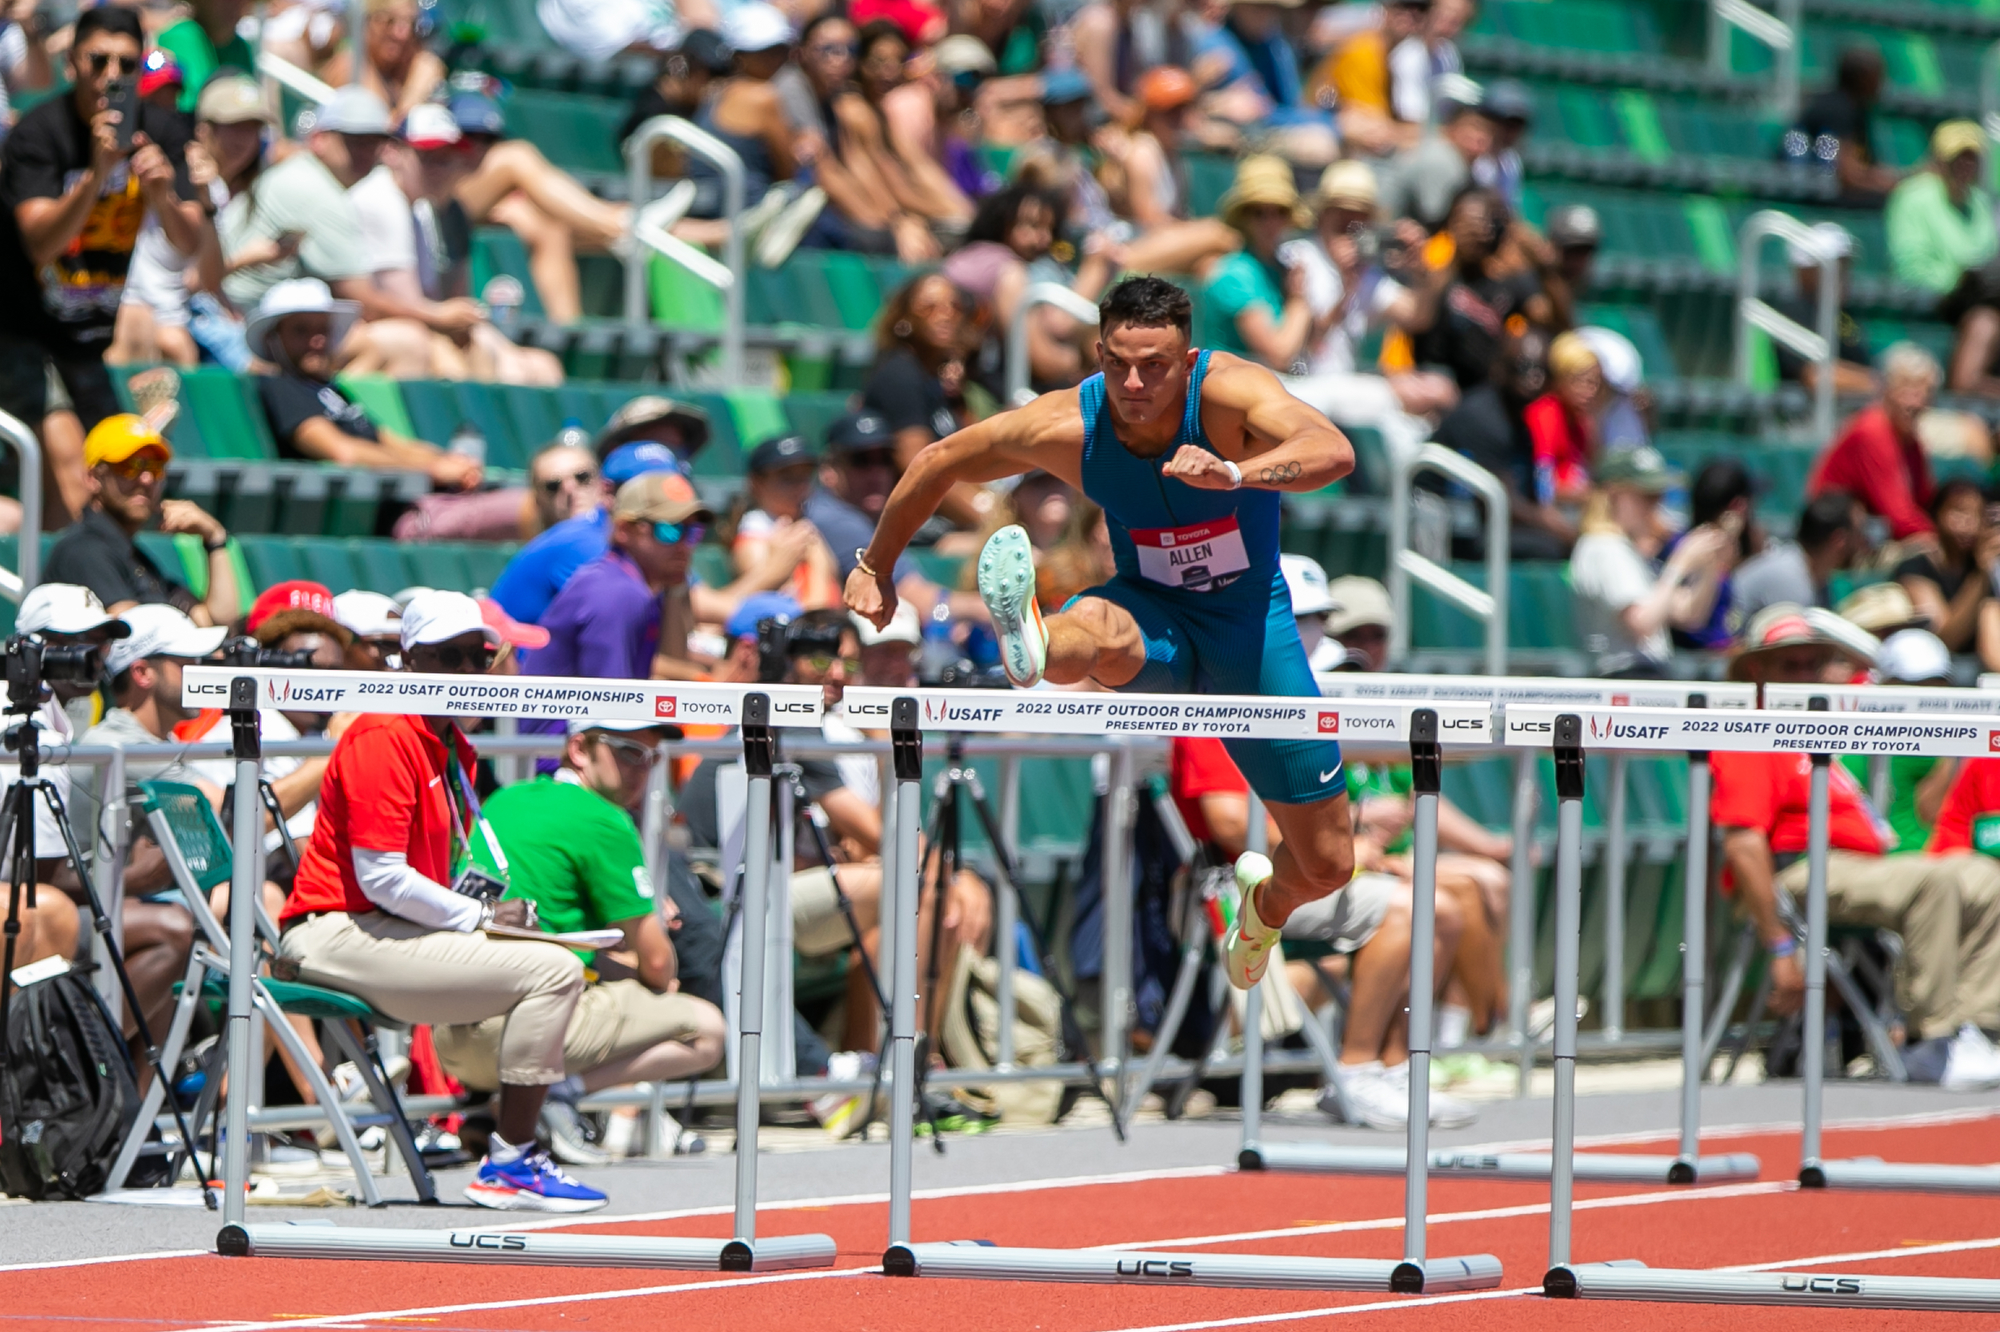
672, 534
823, 661
630, 752
454, 658
99, 61
872, 458
142, 466
554, 486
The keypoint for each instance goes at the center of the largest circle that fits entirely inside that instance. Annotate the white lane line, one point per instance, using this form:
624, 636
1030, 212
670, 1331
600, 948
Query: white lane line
586, 1297
681, 1288
1484, 1214
1378, 1306
1926, 1119
92, 1262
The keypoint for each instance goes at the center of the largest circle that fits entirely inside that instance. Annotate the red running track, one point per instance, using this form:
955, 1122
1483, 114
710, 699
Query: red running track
1768, 1223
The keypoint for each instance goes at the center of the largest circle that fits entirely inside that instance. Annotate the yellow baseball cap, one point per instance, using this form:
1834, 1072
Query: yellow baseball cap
1955, 137
116, 438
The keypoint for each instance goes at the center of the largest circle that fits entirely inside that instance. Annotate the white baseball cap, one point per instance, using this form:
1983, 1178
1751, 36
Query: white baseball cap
1617, 359
368, 614
352, 110
1830, 240
756, 27
158, 630
1358, 601
1306, 581
903, 627
435, 616
65, 608
1913, 656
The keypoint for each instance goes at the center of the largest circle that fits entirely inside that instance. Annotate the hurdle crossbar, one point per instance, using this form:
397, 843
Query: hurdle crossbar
502, 1248
1421, 728
756, 709
1820, 734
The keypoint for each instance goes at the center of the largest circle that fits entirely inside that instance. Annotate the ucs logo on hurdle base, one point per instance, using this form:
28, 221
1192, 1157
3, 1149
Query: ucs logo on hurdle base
496, 1243
1821, 1285
1164, 1269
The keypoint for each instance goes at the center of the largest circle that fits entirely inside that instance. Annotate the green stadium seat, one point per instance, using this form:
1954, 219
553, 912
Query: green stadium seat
497, 251
380, 397
758, 415
812, 414
231, 415
379, 566
439, 566
328, 560
680, 300
576, 132
272, 560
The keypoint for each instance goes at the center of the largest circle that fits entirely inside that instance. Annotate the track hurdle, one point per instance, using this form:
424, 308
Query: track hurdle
907, 712
1569, 734
1686, 1166
754, 708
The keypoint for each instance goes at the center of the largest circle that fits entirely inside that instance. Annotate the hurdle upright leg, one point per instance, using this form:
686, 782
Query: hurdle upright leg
1569, 924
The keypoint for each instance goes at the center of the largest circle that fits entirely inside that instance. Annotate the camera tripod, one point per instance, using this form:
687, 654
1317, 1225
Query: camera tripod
17, 837
959, 777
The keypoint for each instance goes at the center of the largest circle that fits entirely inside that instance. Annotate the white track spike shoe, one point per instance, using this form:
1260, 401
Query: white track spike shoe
1247, 948
1007, 586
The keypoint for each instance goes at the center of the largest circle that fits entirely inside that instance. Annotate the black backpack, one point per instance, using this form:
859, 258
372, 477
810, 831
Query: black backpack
67, 1092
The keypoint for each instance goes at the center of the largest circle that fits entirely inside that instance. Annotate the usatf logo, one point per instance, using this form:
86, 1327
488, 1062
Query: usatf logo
665, 705
934, 709
1329, 723
287, 691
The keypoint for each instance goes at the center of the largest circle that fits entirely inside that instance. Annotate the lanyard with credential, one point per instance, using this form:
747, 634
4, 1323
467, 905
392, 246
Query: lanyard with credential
465, 814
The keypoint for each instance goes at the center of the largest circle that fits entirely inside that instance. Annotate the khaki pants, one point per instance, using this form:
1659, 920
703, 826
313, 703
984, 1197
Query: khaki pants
613, 1020
818, 927
1947, 910
417, 974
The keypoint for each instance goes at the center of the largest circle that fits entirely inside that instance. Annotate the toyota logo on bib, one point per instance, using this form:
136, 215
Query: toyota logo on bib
1993, 741
1329, 723
665, 705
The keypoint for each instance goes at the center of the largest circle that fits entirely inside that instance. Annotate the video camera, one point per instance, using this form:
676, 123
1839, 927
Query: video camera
32, 665
247, 651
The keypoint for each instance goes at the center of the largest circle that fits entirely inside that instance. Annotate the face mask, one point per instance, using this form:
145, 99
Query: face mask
1312, 632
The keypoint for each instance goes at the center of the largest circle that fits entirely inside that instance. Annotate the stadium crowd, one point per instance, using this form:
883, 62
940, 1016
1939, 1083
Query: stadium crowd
1371, 247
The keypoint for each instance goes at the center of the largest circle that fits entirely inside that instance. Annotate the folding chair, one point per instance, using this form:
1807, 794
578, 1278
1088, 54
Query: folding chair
197, 853
1846, 955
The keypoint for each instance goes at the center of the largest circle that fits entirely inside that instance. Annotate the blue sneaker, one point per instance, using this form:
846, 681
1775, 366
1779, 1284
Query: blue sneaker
533, 1183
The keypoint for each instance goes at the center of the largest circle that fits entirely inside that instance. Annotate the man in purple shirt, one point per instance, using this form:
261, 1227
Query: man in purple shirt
605, 623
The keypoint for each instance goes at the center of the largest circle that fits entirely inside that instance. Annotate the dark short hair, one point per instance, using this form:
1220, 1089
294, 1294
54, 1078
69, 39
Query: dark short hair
997, 212
1147, 302
1826, 517
1950, 490
878, 30
817, 631
114, 19
1719, 484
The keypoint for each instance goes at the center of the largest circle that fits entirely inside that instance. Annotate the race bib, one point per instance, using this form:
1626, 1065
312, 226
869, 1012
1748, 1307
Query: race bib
1197, 558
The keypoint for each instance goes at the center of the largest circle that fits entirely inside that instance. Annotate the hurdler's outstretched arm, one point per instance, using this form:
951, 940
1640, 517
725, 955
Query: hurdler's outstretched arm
1047, 434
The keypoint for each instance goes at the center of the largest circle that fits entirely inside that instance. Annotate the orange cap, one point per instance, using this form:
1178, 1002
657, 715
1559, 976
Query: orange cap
1166, 88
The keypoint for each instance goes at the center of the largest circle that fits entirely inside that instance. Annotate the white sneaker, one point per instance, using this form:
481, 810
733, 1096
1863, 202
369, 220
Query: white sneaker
1971, 1064
1246, 948
1007, 586
1542, 1015
1374, 1096
1446, 1111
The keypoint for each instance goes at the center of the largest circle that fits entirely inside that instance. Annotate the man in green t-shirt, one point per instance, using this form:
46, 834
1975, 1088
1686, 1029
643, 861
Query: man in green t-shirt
568, 844
206, 42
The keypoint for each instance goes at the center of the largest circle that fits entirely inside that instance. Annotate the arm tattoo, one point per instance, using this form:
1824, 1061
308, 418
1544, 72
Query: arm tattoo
1279, 474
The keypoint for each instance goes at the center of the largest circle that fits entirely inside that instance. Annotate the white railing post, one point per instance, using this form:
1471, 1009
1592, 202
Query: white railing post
1040, 293
726, 276
1821, 347
28, 563
1490, 605
1779, 31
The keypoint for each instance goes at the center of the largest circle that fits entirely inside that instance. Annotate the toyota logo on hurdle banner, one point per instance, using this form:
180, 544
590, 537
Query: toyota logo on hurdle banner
665, 705
1993, 741
1329, 723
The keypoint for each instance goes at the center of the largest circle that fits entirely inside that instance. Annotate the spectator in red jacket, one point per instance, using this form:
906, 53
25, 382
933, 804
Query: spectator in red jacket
1946, 908
1878, 458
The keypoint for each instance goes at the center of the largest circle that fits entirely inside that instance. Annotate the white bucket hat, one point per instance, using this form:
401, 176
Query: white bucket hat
297, 296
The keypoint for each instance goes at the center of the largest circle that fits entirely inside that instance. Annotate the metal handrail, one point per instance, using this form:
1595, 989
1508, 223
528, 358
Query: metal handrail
1489, 604
727, 276
28, 563
1779, 31
1039, 293
1989, 92
295, 80
1822, 348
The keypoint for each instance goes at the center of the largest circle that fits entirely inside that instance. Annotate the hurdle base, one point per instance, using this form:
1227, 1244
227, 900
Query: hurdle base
1801, 1290
498, 1247
1560, 1283
977, 1260
1602, 1168
1869, 1172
